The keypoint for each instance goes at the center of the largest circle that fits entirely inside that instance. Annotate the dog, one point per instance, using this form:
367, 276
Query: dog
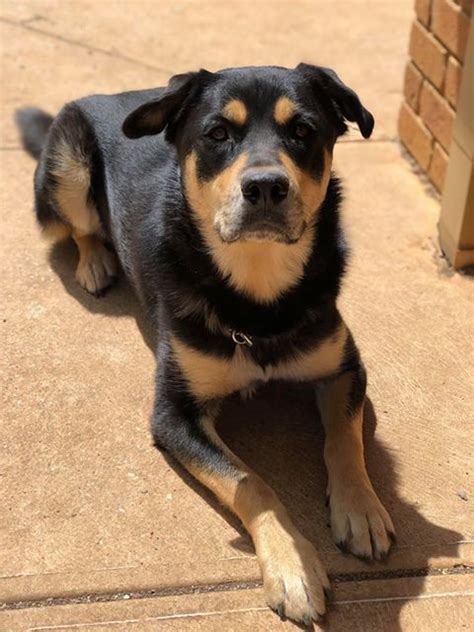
216, 197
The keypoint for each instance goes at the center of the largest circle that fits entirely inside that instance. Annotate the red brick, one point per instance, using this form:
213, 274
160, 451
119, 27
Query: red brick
428, 54
451, 25
453, 80
414, 135
438, 167
423, 11
412, 85
437, 115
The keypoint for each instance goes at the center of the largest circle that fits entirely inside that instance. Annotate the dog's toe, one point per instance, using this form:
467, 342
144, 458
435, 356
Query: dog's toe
294, 580
360, 523
98, 271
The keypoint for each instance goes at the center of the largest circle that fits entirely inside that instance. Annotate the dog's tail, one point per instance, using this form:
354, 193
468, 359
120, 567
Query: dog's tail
33, 124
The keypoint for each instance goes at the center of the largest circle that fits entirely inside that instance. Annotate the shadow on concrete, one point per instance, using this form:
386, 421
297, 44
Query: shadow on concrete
279, 435
119, 300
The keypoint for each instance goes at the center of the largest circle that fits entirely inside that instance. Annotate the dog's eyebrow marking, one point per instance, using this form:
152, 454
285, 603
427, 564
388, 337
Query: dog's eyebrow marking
235, 111
284, 110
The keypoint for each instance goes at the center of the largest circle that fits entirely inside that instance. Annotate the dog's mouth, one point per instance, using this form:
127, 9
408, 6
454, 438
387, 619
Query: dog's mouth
260, 234
263, 230
267, 231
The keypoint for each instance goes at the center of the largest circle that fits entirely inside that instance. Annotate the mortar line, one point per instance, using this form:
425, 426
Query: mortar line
89, 47
171, 591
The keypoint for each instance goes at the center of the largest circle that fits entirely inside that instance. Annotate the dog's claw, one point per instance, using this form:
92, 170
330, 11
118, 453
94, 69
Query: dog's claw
280, 610
307, 620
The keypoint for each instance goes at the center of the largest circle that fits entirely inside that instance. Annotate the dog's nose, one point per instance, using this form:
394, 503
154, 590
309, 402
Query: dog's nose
265, 187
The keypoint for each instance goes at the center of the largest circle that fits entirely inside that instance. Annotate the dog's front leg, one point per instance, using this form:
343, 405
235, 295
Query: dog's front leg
359, 522
293, 577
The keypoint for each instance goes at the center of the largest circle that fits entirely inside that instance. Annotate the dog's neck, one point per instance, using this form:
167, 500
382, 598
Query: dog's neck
261, 270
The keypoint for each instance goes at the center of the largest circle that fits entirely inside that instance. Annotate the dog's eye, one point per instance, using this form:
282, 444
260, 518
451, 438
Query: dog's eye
218, 133
301, 131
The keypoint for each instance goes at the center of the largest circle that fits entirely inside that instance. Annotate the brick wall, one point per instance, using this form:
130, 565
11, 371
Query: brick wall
432, 78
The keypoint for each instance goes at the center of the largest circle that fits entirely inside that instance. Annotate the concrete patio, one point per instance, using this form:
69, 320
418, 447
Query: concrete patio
98, 530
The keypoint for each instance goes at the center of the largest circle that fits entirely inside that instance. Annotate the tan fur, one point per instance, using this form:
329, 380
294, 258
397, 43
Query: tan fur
284, 110
312, 192
73, 176
358, 518
323, 360
293, 575
56, 231
97, 266
292, 571
235, 111
262, 270
211, 376
210, 200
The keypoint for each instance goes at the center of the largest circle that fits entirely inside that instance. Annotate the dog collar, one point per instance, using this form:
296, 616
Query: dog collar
241, 339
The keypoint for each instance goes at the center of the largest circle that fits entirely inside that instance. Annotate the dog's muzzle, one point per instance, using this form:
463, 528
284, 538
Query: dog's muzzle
265, 205
264, 208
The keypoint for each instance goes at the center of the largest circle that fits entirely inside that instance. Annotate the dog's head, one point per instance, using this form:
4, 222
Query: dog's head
255, 145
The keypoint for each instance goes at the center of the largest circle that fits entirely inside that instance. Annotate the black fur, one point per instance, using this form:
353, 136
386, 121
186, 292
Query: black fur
34, 125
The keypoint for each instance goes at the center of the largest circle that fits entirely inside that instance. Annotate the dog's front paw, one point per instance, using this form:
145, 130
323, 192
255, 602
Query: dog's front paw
294, 579
360, 523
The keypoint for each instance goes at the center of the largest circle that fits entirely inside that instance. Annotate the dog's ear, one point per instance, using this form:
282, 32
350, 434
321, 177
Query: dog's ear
152, 117
345, 101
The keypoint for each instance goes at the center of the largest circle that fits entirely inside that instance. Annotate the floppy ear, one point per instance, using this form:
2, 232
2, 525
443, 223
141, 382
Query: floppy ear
152, 117
344, 99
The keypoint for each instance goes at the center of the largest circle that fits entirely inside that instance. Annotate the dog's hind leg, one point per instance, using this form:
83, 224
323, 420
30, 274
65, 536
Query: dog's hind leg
65, 201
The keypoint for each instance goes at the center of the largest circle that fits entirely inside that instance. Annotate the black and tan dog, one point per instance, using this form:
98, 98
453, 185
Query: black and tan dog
216, 195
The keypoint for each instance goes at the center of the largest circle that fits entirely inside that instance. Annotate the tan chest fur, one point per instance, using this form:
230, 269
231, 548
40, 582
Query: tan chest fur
210, 376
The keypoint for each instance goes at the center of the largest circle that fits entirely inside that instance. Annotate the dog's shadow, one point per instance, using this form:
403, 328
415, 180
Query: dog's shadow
279, 436
119, 301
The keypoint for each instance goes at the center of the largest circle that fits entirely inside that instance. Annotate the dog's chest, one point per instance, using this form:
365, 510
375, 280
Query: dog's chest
211, 376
